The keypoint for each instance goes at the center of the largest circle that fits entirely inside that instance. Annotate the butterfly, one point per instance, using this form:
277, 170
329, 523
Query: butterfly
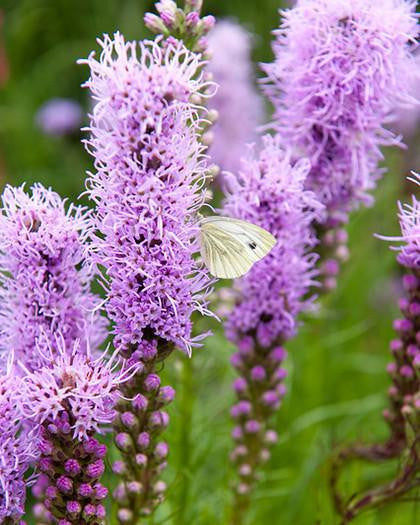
230, 247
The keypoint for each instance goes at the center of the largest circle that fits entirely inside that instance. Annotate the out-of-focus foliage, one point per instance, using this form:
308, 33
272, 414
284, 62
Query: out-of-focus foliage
337, 382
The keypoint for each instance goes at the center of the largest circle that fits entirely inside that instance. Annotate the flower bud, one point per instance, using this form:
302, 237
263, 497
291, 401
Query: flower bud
125, 515
85, 490
161, 450
89, 510
119, 467
141, 460
166, 395
73, 508
154, 23
159, 487
237, 433
143, 440
139, 403
258, 373
134, 487
64, 484
152, 383
72, 467
123, 441
129, 420
252, 426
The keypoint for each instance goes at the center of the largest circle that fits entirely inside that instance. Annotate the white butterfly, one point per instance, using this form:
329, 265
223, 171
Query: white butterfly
230, 247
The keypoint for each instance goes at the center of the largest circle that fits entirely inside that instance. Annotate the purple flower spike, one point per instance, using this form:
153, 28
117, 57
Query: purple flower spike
145, 136
340, 71
404, 402
71, 399
269, 191
405, 381
239, 108
17, 450
331, 97
37, 232
88, 386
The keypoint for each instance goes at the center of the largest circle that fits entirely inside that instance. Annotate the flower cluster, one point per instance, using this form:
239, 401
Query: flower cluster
404, 393
340, 68
405, 390
259, 389
183, 24
17, 450
44, 287
239, 108
407, 117
269, 191
141, 421
148, 186
70, 399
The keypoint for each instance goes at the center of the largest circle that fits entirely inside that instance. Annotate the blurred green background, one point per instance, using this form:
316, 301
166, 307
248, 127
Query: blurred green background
337, 381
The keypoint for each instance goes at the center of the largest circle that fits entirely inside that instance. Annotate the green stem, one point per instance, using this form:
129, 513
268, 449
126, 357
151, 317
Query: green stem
186, 406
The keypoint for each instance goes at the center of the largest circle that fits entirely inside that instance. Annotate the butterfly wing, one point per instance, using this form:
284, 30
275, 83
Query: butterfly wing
230, 247
223, 255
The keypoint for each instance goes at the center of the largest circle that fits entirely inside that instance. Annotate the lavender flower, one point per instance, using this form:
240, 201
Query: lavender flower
409, 217
17, 450
407, 117
147, 188
71, 398
237, 103
340, 68
404, 393
44, 287
269, 191
59, 116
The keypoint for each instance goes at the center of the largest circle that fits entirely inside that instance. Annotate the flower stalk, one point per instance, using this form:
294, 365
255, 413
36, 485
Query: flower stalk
148, 188
403, 414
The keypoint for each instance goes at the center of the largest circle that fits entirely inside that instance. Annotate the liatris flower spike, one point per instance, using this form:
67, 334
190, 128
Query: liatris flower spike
404, 393
239, 108
149, 184
269, 191
340, 70
17, 449
71, 398
45, 287
331, 98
